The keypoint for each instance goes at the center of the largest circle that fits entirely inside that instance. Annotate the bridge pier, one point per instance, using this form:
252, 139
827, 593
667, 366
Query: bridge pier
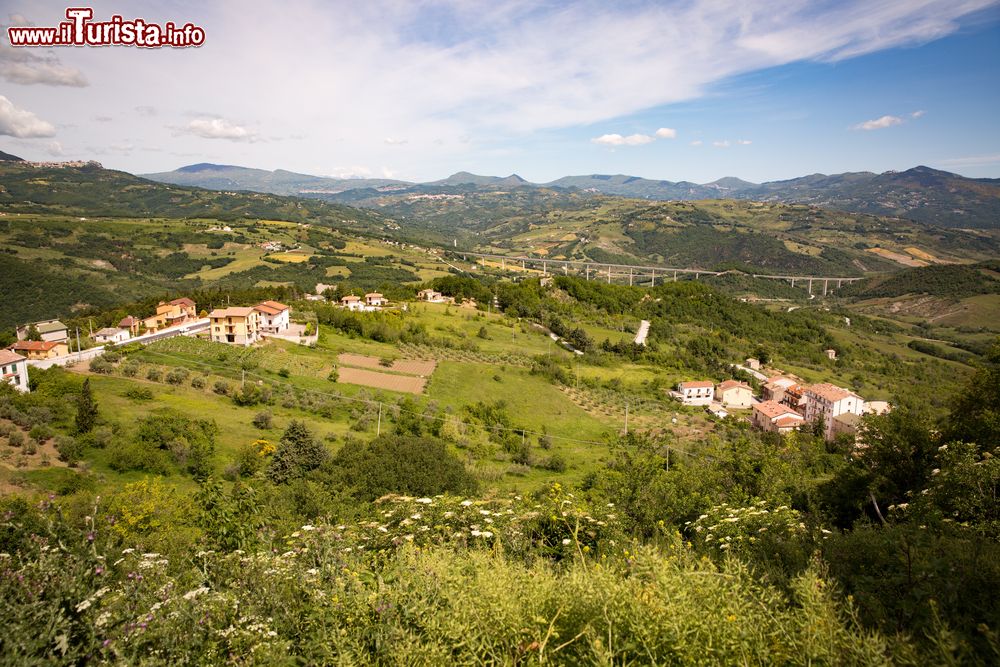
588, 272
609, 275
810, 286
503, 264
825, 283
630, 277
838, 284
793, 282
675, 276
523, 267
652, 282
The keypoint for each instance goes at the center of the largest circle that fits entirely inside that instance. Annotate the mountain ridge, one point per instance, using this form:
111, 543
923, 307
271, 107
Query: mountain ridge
921, 193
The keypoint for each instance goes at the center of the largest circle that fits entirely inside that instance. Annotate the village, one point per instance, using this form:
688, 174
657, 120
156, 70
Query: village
783, 404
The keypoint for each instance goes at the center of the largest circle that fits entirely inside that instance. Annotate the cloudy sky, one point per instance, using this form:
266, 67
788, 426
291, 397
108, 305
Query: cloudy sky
694, 90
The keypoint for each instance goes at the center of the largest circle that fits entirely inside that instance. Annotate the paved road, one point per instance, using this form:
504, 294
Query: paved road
640, 337
86, 355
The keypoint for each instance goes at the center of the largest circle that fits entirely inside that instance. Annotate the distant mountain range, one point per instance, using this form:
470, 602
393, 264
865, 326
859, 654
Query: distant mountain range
922, 194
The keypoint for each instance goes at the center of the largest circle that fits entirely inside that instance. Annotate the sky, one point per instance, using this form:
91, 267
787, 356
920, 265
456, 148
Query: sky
417, 90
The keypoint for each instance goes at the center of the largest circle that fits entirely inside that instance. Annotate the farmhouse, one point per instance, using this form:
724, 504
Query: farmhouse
130, 323
273, 316
40, 349
430, 295
826, 401
694, 392
235, 325
775, 387
352, 302
774, 417
14, 369
48, 330
375, 299
733, 394
112, 335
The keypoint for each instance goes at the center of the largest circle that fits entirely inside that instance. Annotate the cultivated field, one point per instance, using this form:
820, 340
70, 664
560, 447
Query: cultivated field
407, 366
403, 383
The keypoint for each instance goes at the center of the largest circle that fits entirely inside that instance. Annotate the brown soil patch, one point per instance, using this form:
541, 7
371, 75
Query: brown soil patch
403, 383
423, 368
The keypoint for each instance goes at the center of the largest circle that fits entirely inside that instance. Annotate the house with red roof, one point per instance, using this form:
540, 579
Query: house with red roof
274, 316
695, 392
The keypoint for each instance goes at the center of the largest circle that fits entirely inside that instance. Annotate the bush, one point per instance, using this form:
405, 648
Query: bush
221, 388
298, 452
177, 376
101, 366
154, 374
198, 382
555, 463
284, 372
130, 368
333, 376
70, 449
139, 394
30, 447
16, 438
41, 433
263, 420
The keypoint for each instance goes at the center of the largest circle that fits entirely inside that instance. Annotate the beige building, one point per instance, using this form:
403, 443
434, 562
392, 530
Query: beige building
171, 313
235, 325
40, 349
733, 394
694, 392
775, 417
828, 401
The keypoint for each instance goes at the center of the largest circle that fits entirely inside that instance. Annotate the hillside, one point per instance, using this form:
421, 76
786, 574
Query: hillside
94, 191
279, 181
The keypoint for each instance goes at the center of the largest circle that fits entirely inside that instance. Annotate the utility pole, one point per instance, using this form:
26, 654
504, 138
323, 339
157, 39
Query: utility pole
626, 417
79, 349
378, 428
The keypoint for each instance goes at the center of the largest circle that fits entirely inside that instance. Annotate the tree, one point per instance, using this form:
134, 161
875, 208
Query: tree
298, 452
975, 411
86, 409
32, 333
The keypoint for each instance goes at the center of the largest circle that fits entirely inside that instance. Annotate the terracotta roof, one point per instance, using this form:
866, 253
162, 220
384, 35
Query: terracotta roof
8, 357
274, 304
267, 310
128, 321
35, 345
732, 384
697, 384
108, 331
350, 297
786, 421
831, 392
372, 295
773, 410
781, 381
232, 311
183, 301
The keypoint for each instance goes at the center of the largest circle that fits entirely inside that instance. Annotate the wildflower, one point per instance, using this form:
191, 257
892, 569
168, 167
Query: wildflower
308, 527
466, 503
192, 594
487, 533
424, 501
83, 606
566, 541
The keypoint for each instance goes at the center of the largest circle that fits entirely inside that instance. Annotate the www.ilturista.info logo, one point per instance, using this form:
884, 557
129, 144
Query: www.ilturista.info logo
79, 30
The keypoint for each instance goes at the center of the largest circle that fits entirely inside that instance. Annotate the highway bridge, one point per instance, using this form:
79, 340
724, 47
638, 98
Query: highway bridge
636, 274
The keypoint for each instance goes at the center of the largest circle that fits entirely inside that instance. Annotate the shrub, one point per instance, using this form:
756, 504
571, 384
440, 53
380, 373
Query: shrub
298, 452
284, 372
263, 420
222, 388
333, 376
101, 366
126, 456
16, 438
177, 376
198, 382
30, 447
139, 394
154, 374
70, 449
555, 463
41, 433
130, 368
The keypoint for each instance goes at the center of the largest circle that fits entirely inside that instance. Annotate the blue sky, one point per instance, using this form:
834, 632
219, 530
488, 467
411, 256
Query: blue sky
418, 90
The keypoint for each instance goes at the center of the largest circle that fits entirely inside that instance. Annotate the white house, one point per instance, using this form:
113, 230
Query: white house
430, 295
351, 302
375, 299
112, 335
827, 401
273, 316
14, 369
695, 392
733, 394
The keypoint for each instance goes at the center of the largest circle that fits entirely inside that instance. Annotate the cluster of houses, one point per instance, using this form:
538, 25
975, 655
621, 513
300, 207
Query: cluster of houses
372, 301
784, 405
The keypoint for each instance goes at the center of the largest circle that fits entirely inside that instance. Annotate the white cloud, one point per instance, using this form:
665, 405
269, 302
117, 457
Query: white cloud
27, 66
878, 123
23, 124
696, 142
619, 140
55, 149
389, 141
972, 161
918, 113
744, 142
666, 133
721, 144
219, 128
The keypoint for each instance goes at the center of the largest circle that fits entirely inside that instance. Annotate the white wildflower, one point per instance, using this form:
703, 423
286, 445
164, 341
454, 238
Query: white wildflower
566, 541
424, 501
308, 527
192, 594
466, 503
83, 606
